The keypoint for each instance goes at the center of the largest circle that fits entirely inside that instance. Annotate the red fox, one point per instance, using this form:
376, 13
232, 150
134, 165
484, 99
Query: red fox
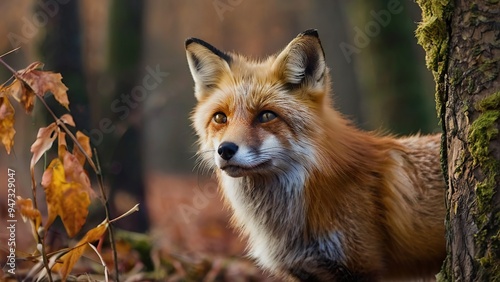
318, 199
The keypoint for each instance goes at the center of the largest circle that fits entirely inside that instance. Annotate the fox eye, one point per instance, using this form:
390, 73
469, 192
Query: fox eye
220, 118
266, 116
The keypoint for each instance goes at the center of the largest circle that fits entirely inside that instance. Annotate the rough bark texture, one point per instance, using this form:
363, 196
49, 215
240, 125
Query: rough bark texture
462, 41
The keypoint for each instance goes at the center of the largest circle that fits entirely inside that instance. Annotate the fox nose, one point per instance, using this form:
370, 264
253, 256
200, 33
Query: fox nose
227, 150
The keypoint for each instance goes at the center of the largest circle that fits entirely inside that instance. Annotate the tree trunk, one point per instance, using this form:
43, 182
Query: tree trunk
61, 50
125, 166
462, 41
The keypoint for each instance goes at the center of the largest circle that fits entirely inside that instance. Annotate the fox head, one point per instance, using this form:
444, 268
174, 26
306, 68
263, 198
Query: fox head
258, 117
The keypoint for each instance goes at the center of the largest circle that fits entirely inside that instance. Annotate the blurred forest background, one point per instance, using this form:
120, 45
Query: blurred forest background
105, 50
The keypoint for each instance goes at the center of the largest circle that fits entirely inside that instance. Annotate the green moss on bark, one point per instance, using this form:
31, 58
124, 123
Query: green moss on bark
433, 34
482, 131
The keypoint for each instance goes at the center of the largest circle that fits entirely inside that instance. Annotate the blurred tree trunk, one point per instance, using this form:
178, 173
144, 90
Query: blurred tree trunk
124, 155
393, 83
461, 39
345, 81
61, 50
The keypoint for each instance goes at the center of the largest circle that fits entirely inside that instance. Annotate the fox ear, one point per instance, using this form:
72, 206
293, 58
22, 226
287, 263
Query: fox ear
206, 64
302, 62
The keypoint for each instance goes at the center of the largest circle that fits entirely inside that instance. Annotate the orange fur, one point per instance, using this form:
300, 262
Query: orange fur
318, 199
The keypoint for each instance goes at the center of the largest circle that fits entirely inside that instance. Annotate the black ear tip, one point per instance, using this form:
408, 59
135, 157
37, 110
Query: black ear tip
191, 40
310, 32
214, 50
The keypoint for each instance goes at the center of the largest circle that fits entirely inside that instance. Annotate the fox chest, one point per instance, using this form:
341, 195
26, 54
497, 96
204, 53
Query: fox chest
274, 220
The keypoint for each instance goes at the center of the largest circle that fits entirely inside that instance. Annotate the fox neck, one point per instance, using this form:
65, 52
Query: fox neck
270, 210
351, 162
275, 202
293, 203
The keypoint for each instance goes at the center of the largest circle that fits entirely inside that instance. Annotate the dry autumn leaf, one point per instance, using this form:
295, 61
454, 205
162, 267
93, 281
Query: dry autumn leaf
31, 67
67, 119
69, 200
43, 142
76, 174
45, 81
84, 141
28, 212
45, 138
62, 147
73, 169
70, 258
23, 94
7, 130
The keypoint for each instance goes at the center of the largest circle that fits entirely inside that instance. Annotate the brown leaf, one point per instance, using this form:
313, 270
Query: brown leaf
73, 169
28, 212
7, 130
68, 119
23, 94
84, 141
43, 142
44, 81
33, 66
75, 173
69, 200
70, 258
62, 147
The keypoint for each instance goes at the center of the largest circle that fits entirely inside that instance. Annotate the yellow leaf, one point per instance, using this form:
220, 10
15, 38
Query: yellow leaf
7, 130
69, 259
75, 203
52, 180
69, 200
95, 233
43, 142
85, 143
45, 81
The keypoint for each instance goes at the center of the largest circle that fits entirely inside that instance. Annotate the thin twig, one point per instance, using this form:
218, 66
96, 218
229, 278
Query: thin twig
129, 212
11, 51
106, 278
41, 249
8, 67
111, 232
